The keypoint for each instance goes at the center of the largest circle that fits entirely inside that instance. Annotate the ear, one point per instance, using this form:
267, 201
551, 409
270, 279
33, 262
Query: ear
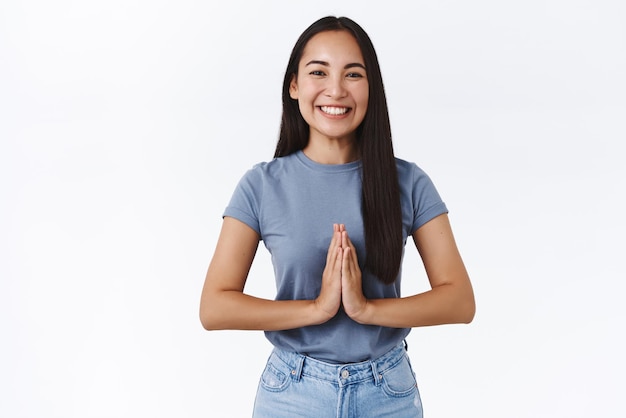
293, 87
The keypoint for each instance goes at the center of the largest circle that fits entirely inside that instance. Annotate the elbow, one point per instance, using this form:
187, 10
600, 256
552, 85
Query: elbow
468, 311
218, 311
209, 318
209, 322
466, 304
460, 306
468, 314
206, 322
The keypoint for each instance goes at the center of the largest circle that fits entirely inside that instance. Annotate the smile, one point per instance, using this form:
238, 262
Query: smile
335, 111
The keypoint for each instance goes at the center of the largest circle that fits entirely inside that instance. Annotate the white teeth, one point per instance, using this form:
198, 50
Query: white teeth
334, 110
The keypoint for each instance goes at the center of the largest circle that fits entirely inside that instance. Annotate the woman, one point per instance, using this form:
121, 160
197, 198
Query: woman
334, 208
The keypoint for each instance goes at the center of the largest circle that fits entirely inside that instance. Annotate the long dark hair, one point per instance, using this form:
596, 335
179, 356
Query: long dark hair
382, 216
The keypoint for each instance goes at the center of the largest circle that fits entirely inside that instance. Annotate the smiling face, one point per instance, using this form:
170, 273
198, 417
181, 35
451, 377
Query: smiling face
331, 86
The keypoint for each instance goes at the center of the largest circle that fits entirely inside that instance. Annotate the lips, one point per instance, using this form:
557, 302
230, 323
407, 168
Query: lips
334, 110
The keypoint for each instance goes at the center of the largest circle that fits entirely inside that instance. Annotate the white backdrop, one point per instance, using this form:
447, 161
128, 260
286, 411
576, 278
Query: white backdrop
125, 125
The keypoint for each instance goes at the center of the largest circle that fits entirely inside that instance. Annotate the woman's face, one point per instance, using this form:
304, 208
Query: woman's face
331, 86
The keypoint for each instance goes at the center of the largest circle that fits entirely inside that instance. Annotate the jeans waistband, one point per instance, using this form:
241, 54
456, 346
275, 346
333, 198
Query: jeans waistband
343, 374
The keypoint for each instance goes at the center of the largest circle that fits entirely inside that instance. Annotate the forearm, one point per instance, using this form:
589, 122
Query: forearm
446, 304
237, 310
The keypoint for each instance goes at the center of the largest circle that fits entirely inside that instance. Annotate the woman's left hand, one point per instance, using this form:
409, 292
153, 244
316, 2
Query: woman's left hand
354, 302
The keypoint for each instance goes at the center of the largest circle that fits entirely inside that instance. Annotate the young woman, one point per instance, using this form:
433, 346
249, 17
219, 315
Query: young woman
335, 208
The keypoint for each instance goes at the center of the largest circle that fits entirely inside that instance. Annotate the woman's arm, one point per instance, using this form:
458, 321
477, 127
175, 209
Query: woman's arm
223, 304
451, 298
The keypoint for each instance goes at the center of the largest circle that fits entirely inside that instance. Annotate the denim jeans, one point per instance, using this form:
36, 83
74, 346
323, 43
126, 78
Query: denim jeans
293, 385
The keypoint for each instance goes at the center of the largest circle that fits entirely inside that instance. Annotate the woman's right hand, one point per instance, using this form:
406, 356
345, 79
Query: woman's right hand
329, 299
224, 305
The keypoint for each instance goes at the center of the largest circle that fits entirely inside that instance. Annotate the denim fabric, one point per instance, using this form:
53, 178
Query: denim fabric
293, 385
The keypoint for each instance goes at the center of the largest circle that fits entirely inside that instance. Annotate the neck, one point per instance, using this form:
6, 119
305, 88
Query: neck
331, 151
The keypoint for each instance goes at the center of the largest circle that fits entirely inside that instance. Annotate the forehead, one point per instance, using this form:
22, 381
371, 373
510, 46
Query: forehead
332, 46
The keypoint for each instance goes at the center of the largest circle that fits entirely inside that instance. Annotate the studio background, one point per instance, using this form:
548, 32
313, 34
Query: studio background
125, 126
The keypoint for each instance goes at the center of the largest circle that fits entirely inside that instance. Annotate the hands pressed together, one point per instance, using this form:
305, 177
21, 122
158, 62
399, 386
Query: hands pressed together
224, 305
341, 279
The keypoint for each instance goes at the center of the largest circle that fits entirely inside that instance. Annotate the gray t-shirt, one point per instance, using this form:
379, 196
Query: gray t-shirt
292, 203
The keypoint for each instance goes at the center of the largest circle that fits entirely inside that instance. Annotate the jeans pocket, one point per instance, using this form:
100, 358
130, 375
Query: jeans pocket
399, 380
275, 376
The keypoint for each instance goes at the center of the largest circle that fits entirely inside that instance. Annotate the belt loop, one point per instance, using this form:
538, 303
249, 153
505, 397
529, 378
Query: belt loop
296, 372
377, 377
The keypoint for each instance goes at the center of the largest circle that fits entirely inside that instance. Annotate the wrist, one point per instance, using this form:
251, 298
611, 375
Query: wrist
319, 315
363, 315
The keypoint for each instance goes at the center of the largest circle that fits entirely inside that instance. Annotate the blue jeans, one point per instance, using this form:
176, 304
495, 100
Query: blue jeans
293, 385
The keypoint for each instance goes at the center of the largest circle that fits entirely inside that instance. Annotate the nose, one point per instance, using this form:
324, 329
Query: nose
336, 87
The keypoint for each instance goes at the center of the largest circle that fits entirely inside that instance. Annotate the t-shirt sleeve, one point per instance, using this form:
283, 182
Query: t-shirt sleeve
246, 200
427, 203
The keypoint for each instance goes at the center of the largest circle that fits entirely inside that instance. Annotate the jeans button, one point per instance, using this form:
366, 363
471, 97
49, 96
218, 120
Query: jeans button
345, 374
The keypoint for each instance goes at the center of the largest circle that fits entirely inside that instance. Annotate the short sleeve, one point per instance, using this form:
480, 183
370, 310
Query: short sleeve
427, 203
245, 201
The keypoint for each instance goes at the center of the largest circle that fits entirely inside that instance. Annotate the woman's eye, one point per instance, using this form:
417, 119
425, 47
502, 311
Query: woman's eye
317, 72
354, 75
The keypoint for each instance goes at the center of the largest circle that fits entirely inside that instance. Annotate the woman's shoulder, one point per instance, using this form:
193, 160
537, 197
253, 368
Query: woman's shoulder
271, 168
408, 169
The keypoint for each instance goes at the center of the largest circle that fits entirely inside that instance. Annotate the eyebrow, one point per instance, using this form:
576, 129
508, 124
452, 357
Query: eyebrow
351, 65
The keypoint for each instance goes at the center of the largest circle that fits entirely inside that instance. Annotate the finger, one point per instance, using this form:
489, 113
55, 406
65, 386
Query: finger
335, 258
350, 260
334, 243
339, 260
346, 262
346, 243
346, 240
350, 263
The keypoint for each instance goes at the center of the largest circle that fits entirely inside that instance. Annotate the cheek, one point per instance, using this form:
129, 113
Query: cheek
363, 102
362, 97
305, 111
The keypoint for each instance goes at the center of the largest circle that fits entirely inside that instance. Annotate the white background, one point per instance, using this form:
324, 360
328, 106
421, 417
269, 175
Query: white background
125, 125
